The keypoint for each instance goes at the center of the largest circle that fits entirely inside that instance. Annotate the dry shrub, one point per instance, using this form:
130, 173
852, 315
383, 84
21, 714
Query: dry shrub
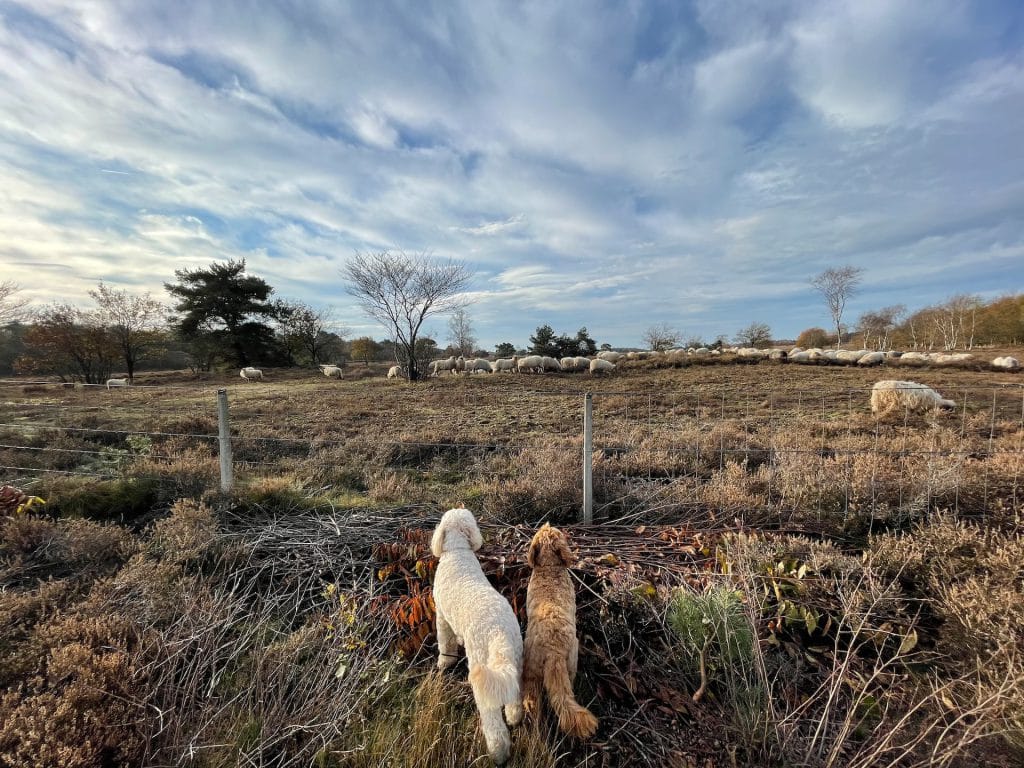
24, 534
191, 471
435, 724
82, 709
733, 490
391, 487
187, 534
93, 546
540, 482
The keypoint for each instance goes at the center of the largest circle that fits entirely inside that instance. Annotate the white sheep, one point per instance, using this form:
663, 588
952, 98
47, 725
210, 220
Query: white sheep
530, 363
448, 364
550, 364
610, 356
871, 358
117, 383
913, 358
1006, 363
395, 372
331, 371
479, 364
893, 397
506, 364
570, 364
601, 366
249, 373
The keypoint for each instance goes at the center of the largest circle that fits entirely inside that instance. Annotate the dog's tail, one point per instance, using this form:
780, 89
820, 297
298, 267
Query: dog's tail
496, 680
574, 719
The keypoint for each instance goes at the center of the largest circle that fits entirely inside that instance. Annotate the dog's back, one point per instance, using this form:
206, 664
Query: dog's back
551, 646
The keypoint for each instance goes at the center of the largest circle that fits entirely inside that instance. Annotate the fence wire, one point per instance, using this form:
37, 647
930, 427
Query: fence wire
715, 450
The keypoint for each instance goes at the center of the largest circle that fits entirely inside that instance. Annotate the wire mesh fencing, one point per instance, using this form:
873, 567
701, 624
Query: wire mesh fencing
802, 455
707, 452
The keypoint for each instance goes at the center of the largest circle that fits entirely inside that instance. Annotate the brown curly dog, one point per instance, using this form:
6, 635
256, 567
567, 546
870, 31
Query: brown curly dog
551, 645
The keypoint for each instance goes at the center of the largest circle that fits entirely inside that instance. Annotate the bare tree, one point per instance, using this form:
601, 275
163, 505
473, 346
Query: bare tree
661, 337
11, 306
460, 332
755, 335
401, 291
956, 320
880, 324
133, 322
71, 343
837, 285
311, 332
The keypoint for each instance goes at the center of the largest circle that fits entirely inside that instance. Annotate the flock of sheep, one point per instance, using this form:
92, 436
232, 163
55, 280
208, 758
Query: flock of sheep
817, 356
603, 363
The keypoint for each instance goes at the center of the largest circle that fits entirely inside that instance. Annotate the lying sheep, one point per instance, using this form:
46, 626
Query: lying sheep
892, 397
331, 371
117, 383
250, 374
599, 366
871, 358
610, 356
1006, 363
395, 372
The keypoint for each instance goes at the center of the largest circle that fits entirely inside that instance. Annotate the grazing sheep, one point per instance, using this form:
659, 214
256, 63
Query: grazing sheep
891, 397
799, 357
611, 357
505, 364
448, 364
599, 366
479, 364
331, 371
395, 372
530, 363
550, 364
117, 383
1006, 363
250, 374
702, 352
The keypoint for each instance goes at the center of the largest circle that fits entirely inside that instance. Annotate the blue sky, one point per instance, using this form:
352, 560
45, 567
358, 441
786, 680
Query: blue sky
614, 165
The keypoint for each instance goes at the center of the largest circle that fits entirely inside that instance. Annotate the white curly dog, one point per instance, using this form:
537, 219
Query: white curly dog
471, 613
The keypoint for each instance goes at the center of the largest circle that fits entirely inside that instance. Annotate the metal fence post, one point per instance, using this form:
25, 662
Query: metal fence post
588, 456
227, 474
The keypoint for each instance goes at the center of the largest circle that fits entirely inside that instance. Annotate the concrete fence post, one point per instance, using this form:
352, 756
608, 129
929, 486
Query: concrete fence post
588, 457
227, 473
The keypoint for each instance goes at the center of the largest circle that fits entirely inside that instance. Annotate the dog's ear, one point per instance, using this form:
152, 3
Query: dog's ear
475, 538
564, 553
532, 552
437, 540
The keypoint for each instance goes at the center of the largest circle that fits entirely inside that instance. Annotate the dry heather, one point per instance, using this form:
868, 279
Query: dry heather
776, 578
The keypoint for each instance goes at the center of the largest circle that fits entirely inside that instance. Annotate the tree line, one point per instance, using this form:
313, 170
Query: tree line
222, 316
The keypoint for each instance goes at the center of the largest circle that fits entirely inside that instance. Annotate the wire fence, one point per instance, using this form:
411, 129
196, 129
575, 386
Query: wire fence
716, 449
